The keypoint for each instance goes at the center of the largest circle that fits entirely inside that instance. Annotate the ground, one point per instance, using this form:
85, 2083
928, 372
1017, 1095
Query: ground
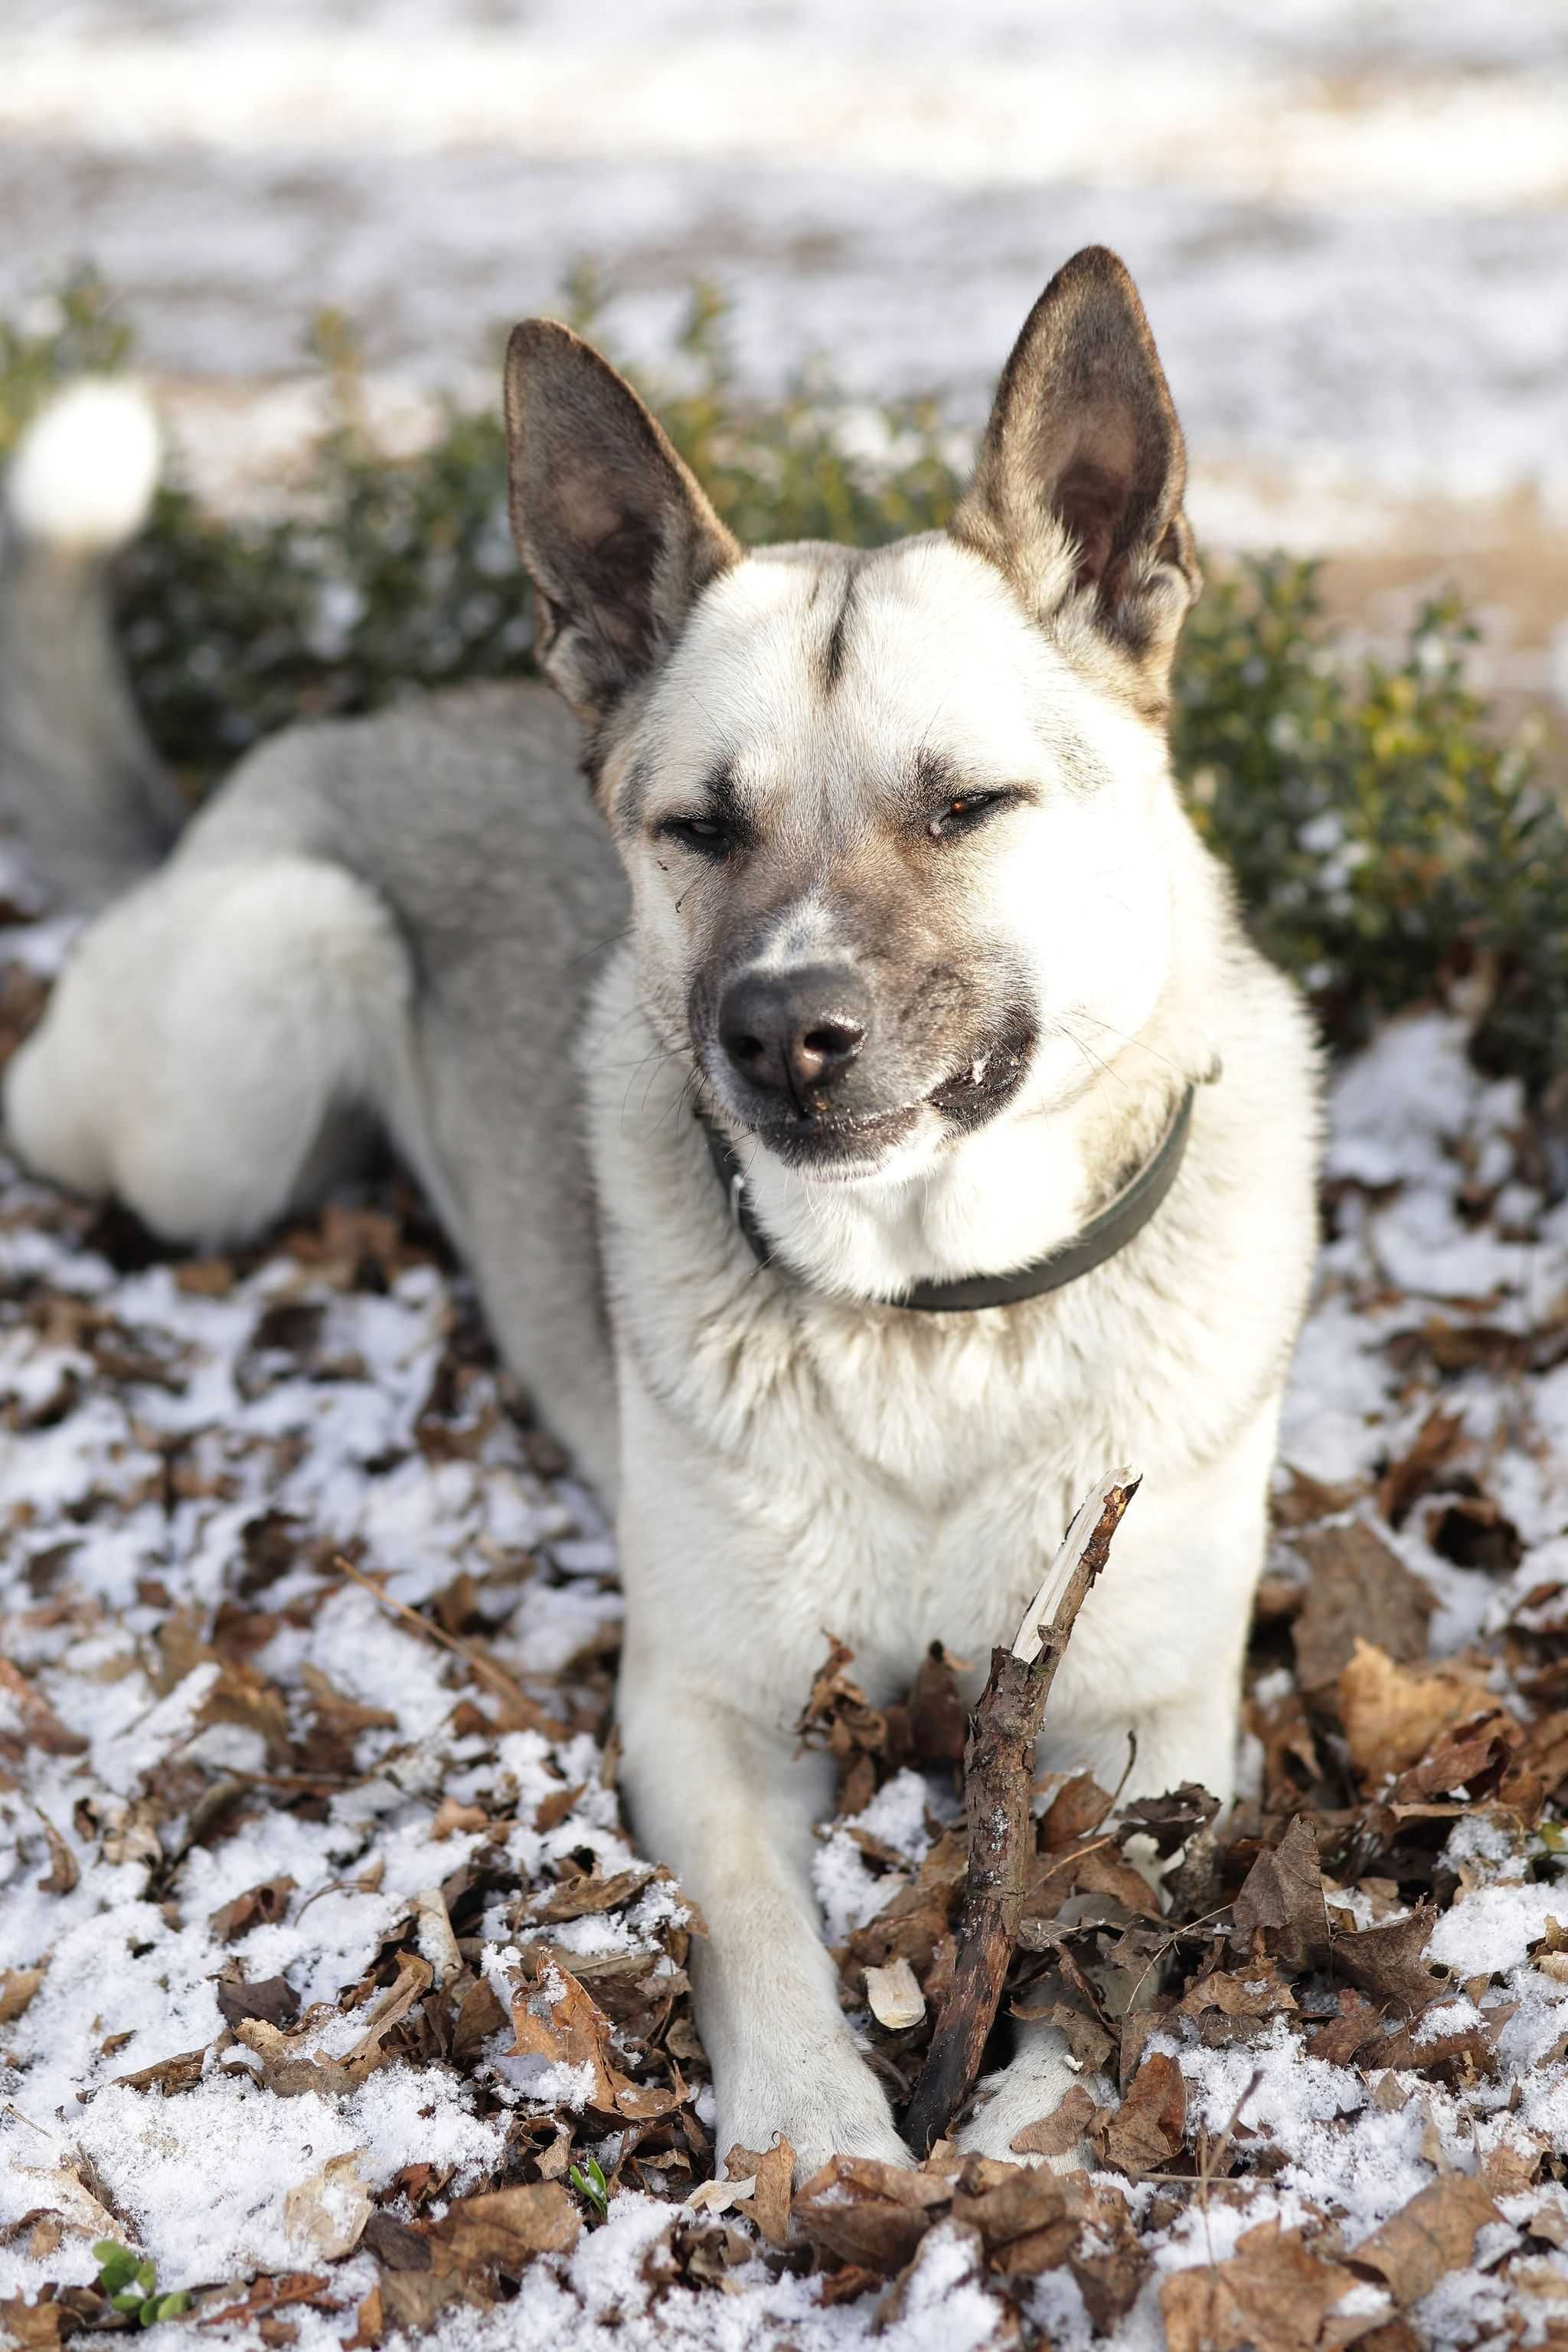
320, 1927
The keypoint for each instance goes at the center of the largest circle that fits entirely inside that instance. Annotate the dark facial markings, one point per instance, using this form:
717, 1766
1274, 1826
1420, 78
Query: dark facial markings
838, 636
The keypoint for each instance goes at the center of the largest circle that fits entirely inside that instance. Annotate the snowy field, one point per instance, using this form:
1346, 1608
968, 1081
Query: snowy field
330, 1984
1349, 218
318, 1928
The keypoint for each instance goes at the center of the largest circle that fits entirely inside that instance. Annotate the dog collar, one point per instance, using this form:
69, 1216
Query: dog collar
1105, 1233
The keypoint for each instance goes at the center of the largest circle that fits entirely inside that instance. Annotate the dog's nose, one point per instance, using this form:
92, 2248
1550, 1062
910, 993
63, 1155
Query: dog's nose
793, 1032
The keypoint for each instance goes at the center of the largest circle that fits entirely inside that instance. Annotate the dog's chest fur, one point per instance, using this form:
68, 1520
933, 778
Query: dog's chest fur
894, 1477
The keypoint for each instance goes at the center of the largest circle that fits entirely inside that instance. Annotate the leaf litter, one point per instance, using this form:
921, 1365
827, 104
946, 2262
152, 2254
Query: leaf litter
333, 1993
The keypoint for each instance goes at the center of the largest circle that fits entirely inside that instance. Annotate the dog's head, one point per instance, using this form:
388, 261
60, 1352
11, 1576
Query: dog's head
889, 817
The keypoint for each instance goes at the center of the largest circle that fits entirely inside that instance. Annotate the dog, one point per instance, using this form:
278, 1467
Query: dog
860, 1104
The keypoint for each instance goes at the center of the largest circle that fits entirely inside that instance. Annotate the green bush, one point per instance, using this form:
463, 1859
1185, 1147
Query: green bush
1386, 841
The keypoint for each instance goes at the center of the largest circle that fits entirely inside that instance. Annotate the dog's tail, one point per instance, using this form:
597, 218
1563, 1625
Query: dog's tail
79, 782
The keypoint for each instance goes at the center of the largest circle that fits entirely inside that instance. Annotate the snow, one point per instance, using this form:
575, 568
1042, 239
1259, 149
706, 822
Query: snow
1347, 220
139, 1497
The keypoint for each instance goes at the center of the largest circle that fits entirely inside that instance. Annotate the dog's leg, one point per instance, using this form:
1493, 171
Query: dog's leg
205, 1038
731, 1809
712, 1679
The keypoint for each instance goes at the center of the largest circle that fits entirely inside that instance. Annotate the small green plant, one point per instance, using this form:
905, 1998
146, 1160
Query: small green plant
130, 2282
587, 2179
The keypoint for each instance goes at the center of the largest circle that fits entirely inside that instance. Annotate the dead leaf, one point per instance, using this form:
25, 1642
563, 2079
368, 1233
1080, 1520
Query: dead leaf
289, 2071
1358, 1587
573, 2030
41, 1727
1274, 2294
772, 2174
271, 1998
1147, 2130
868, 2214
168, 2076
1283, 1896
503, 2229
329, 2210
1387, 1962
1433, 2234
938, 1723
1422, 1467
62, 1872
18, 1987
1058, 2133
258, 1907
1392, 1714
894, 1995
586, 1894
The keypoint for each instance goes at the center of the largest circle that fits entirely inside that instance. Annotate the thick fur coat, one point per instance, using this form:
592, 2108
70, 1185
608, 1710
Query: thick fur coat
882, 869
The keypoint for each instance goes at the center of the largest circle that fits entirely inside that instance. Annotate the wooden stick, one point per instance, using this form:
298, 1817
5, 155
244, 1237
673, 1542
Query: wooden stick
998, 1776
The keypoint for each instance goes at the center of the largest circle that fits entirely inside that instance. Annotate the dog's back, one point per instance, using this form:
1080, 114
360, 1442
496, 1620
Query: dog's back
391, 921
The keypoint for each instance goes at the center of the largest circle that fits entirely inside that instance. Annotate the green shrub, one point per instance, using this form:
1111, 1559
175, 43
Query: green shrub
1386, 841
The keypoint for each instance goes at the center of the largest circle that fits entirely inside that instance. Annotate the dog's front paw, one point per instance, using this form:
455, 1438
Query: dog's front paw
1021, 2096
824, 2102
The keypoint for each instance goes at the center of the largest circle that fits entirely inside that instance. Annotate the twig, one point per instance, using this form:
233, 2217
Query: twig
998, 1774
526, 1713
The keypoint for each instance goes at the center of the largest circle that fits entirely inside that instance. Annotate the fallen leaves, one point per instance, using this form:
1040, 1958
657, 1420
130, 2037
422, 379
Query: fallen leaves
1393, 1713
1148, 2128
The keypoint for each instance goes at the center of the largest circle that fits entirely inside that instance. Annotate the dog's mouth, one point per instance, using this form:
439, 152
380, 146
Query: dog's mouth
842, 1145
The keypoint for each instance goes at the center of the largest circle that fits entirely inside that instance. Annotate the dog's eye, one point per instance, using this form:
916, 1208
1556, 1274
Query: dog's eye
961, 812
702, 834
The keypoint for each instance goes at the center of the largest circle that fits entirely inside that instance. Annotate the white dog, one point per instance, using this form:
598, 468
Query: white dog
930, 1139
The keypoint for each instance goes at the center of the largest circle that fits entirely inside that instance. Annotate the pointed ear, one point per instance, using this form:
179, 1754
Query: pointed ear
1077, 495
611, 526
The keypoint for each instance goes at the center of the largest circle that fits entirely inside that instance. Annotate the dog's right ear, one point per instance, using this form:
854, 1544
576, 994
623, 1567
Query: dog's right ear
611, 525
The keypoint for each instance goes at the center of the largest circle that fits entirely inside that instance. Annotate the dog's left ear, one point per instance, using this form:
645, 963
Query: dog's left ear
610, 523
1077, 495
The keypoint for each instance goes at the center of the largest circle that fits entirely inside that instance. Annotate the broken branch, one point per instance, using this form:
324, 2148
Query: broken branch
998, 1776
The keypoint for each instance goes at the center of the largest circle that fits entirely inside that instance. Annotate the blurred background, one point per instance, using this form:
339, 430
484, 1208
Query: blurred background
1348, 219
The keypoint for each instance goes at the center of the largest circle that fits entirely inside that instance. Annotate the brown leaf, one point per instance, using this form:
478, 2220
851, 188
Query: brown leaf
573, 2032
272, 1998
37, 2326
370, 2324
1468, 1759
289, 2073
1028, 2220
1433, 2234
773, 2173
1075, 1812
62, 1872
581, 1897
258, 1907
1272, 2296
18, 1987
1283, 1896
1058, 2133
868, 2214
503, 2229
1147, 2129
1392, 1716
479, 2015
41, 1727
1406, 1481
276, 2292
938, 1723
1239, 1993
1359, 1587
1386, 1961
169, 2077
329, 2209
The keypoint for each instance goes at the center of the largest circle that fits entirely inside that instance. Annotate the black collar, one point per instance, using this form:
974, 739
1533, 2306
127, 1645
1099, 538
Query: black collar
1104, 1234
